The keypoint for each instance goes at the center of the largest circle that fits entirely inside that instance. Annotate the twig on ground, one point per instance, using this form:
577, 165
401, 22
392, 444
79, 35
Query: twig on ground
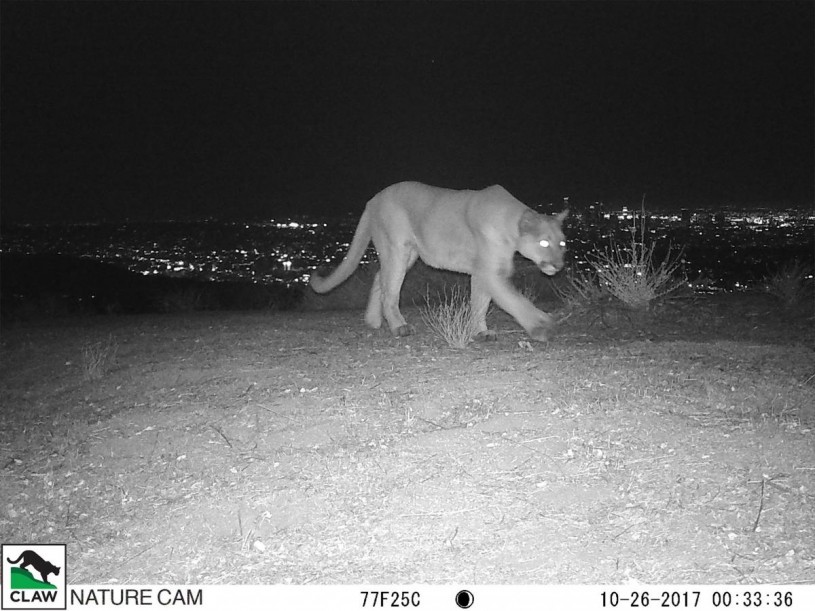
760, 506
220, 432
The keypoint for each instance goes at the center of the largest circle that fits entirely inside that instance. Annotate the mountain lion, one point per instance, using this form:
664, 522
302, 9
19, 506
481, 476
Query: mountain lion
43, 567
474, 232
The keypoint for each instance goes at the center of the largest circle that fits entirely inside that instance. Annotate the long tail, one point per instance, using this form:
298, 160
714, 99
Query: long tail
10, 561
362, 237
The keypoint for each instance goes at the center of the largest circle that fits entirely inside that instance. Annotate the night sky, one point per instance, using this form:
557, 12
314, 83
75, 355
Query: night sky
175, 110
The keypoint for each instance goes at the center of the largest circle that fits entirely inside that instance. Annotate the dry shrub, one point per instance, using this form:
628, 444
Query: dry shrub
582, 289
790, 284
450, 317
630, 273
98, 358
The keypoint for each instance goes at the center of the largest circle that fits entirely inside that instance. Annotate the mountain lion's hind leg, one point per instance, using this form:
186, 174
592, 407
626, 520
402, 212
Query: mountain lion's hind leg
373, 313
394, 267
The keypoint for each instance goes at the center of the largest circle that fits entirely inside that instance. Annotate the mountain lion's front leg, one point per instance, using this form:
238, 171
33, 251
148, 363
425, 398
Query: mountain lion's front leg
479, 304
538, 324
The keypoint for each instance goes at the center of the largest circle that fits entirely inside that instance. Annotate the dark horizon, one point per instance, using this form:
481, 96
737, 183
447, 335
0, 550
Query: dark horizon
185, 110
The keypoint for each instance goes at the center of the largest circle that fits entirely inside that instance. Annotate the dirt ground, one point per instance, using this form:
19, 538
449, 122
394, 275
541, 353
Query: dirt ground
295, 448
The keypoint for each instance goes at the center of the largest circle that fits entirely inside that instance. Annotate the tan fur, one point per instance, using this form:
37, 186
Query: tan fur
474, 232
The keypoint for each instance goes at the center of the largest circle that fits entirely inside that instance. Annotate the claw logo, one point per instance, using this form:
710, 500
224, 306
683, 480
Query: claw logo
33, 577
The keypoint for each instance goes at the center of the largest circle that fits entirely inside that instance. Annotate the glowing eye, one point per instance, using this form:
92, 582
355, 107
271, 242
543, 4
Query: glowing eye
562, 243
544, 243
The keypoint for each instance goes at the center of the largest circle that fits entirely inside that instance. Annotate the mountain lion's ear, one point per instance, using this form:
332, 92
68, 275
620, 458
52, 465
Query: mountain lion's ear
562, 216
529, 222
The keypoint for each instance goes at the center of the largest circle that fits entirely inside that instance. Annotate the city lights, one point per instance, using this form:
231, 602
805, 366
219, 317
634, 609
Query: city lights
729, 250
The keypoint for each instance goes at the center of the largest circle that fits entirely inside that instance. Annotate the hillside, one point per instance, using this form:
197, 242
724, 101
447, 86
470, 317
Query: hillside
253, 447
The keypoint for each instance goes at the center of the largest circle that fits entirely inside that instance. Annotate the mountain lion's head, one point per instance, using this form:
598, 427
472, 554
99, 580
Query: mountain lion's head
542, 240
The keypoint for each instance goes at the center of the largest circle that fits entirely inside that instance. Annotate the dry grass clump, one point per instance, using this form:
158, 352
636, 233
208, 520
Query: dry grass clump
450, 317
790, 284
181, 299
98, 358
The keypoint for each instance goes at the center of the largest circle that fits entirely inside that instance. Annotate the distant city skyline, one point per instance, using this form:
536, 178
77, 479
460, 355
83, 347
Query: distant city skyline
184, 110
